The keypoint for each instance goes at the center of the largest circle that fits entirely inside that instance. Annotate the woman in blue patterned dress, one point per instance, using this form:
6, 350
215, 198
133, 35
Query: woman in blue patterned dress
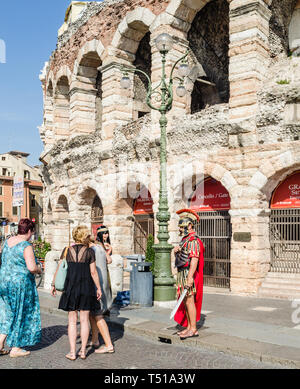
20, 321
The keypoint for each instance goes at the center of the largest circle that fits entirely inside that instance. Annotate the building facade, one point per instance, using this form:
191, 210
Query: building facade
233, 140
14, 164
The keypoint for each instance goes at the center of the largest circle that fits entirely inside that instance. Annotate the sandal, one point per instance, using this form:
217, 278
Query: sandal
4, 352
181, 332
17, 354
82, 355
190, 334
105, 350
71, 356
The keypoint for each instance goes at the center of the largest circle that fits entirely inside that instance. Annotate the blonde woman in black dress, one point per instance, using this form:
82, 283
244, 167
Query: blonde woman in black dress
79, 292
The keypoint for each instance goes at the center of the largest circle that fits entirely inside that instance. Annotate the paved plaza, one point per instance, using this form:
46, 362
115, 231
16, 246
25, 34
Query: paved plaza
132, 352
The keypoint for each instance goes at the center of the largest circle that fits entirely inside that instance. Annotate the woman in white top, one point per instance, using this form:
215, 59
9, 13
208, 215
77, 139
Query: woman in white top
97, 321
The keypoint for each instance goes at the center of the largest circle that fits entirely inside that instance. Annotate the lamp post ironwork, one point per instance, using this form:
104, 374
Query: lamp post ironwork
160, 98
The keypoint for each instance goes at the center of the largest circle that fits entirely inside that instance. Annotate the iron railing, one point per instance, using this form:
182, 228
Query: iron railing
214, 229
142, 229
285, 240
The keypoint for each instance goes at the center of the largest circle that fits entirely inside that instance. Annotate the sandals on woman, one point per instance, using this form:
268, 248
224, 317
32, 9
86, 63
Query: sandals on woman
4, 352
19, 353
105, 350
190, 334
71, 356
82, 355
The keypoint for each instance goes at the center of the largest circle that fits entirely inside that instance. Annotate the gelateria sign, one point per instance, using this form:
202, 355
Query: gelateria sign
211, 196
287, 194
143, 205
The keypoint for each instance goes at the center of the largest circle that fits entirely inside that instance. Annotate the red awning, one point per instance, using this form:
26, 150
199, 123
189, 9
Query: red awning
143, 205
211, 196
287, 194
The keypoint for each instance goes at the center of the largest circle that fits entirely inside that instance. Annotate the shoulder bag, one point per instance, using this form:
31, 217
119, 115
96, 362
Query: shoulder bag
61, 274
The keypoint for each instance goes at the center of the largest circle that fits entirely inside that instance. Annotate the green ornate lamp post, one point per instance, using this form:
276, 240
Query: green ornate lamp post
160, 98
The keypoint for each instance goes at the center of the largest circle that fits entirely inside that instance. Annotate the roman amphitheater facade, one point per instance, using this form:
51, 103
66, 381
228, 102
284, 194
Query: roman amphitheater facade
238, 124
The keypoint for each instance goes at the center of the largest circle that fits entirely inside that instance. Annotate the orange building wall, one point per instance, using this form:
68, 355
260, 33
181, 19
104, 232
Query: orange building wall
7, 202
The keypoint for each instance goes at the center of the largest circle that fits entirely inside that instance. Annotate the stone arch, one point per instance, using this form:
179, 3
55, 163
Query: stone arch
132, 29
62, 204
282, 12
124, 222
61, 234
191, 177
208, 82
294, 31
62, 107
273, 171
143, 61
64, 71
184, 10
87, 95
93, 46
84, 200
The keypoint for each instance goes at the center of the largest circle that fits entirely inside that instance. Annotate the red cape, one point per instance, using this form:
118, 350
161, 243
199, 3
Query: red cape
180, 316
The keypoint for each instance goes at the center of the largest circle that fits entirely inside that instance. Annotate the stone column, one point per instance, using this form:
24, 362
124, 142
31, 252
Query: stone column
250, 250
118, 217
117, 103
83, 101
48, 128
60, 230
62, 116
249, 58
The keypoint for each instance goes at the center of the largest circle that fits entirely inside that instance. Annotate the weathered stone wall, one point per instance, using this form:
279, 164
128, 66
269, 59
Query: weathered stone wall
99, 21
249, 144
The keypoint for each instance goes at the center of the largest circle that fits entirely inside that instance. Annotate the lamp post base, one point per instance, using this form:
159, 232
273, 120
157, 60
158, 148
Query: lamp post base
164, 289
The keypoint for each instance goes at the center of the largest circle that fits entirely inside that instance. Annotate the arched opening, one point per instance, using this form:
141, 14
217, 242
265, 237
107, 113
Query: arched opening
285, 226
294, 31
62, 204
209, 42
62, 232
97, 215
62, 108
143, 220
212, 202
91, 75
46, 131
142, 62
90, 209
283, 30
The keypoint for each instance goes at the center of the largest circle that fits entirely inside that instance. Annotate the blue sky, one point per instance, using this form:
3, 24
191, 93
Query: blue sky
29, 30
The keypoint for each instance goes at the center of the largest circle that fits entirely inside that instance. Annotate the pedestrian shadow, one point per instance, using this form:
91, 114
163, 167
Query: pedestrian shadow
50, 335
117, 328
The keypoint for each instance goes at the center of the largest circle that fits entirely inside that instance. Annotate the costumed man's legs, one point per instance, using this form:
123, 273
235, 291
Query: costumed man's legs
191, 313
188, 260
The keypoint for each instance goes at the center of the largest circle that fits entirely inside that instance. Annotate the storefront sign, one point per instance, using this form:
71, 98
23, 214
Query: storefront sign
212, 196
18, 197
143, 205
287, 194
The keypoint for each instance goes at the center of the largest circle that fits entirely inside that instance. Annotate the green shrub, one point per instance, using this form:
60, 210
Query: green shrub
150, 253
41, 248
283, 82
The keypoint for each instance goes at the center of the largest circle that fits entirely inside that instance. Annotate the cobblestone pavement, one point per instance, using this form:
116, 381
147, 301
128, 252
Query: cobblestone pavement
132, 352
